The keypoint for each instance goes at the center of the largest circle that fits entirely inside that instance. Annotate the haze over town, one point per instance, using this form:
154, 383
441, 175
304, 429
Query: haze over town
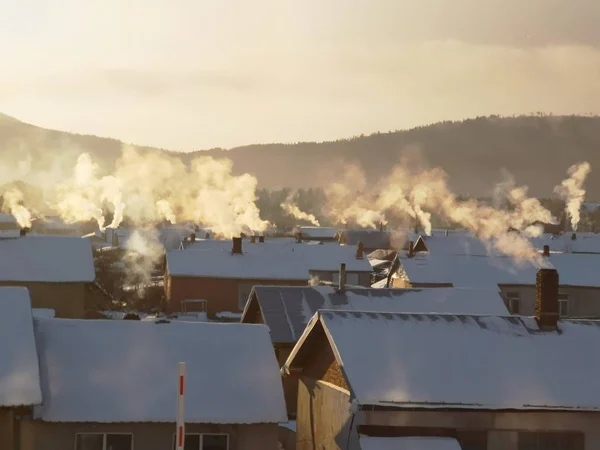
327, 225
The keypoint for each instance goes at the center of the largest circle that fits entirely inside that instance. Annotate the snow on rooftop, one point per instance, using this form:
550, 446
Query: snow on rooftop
263, 261
126, 371
43, 313
287, 309
408, 443
484, 362
19, 372
7, 218
489, 271
316, 232
228, 315
46, 259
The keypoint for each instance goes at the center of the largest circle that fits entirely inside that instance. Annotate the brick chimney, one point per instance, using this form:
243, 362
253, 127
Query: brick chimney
360, 250
546, 250
207, 235
193, 237
253, 239
342, 284
299, 237
546, 304
411, 249
261, 239
236, 249
574, 237
23, 232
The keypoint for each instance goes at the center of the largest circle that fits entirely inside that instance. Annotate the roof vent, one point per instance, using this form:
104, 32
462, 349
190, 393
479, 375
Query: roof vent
574, 237
261, 239
546, 250
193, 237
253, 239
342, 284
237, 246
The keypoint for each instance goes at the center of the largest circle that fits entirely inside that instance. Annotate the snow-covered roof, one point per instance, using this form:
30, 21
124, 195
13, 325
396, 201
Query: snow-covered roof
126, 371
489, 271
287, 309
316, 232
43, 313
371, 239
7, 218
408, 443
264, 261
19, 372
47, 259
583, 242
485, 362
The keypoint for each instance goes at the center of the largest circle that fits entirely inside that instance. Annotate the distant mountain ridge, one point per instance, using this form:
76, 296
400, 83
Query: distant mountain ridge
537, 150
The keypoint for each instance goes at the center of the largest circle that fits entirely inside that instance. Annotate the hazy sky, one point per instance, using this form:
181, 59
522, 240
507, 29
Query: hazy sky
195, 74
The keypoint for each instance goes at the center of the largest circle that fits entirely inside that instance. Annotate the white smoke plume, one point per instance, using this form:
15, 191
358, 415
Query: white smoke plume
143, 252
13, 202
290, 207
164, 209
572, 192
348, 199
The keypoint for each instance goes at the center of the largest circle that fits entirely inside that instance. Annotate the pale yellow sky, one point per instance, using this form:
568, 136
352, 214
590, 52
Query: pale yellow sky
195, 74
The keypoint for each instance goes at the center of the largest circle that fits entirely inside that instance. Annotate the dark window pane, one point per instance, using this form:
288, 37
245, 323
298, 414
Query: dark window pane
192, 442
89, 442
214, 442
119, 441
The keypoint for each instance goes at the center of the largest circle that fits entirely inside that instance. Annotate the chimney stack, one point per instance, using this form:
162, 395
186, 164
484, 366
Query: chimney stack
261, 239
253, 239
237, 246
546, 305
380, 226
193, 237
574, 237
411, 249
445, 233
207, 235
299, 237
23, 231
546, 250
360, 249
342, 277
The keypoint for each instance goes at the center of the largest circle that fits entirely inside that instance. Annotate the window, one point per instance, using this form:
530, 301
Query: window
563, 305
513, 299
103, 441
472, 440
204, 442
551, 441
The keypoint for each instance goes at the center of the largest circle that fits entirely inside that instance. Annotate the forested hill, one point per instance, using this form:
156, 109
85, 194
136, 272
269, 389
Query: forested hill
537, 150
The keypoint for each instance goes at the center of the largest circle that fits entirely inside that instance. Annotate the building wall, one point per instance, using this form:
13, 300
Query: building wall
324, 419
222, 294
67, 299
502, 427
37, 435
583, 302
6, 429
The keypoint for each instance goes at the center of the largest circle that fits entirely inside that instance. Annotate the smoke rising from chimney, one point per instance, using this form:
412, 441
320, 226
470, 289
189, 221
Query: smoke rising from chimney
143, 252
572, 192
290, 207
13, 201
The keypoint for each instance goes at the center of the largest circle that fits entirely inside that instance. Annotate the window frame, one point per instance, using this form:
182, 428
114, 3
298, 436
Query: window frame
512, 298
104, 434
563, 302
201, 440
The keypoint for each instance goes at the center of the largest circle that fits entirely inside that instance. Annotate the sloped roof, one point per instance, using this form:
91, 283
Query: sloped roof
408, 443
126, 371
316, 232
287, 309
485, 362
490, 271
263, 261
583, 243
371, 239
47, 259
19, 372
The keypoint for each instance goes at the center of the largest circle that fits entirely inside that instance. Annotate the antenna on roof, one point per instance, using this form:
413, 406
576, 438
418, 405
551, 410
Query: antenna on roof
180, 406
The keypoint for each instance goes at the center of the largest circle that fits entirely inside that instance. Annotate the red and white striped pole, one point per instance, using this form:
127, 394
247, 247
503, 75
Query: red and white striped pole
180, 406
